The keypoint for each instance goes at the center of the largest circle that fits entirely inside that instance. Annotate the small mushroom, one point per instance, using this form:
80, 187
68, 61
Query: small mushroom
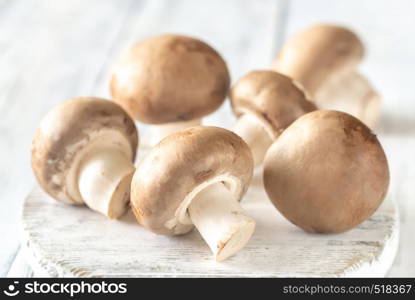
170, 81
266, 102
327, 172
324, 58
196, 177
83, 153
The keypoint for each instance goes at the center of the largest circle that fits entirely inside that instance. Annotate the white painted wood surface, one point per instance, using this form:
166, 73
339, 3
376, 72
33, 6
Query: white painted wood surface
53, 50
79, 242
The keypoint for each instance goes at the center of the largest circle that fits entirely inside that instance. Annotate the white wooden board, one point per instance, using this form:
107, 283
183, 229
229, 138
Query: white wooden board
62, 240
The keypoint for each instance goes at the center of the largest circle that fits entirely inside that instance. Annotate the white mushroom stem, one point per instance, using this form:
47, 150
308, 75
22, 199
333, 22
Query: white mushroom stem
351, 93
253, 132
104, 181
158, 132
220, 220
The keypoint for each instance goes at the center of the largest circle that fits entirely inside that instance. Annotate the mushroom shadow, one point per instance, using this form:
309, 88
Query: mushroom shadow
396, 124
128, 217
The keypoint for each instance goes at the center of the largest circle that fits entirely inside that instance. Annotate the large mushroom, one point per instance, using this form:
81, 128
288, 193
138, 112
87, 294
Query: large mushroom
266, 103
83, 153
324, 58
327, 172
196, 177
170, 81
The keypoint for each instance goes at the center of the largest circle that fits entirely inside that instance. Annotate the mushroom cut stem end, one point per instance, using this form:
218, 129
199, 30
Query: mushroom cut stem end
220, 220
253, 132
158, 132
104, 182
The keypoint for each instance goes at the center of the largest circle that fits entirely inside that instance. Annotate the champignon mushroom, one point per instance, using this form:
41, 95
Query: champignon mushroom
327, 172
170, 81
266, 102
196, 177
323, 58
83, 153
353, 94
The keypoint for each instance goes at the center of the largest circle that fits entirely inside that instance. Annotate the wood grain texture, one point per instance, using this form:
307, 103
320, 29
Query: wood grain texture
102, 248
20, 267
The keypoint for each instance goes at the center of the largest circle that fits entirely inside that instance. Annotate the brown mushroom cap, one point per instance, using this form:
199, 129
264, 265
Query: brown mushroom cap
66, 131
170, 78
180, 163
274, 98
327, 172
314, 54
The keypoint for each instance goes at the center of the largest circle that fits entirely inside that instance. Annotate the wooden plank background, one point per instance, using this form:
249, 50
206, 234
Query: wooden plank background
54, 50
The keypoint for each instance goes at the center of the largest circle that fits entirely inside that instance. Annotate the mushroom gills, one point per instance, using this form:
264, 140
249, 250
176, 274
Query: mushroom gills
220, 220
158, 132
352, 93
255, 134
104, 180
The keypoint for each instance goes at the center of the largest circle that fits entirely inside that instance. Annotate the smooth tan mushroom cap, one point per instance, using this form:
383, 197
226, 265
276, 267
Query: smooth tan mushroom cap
178, 164
170, 78
65, 131
327, 172
312, 55
274, 98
